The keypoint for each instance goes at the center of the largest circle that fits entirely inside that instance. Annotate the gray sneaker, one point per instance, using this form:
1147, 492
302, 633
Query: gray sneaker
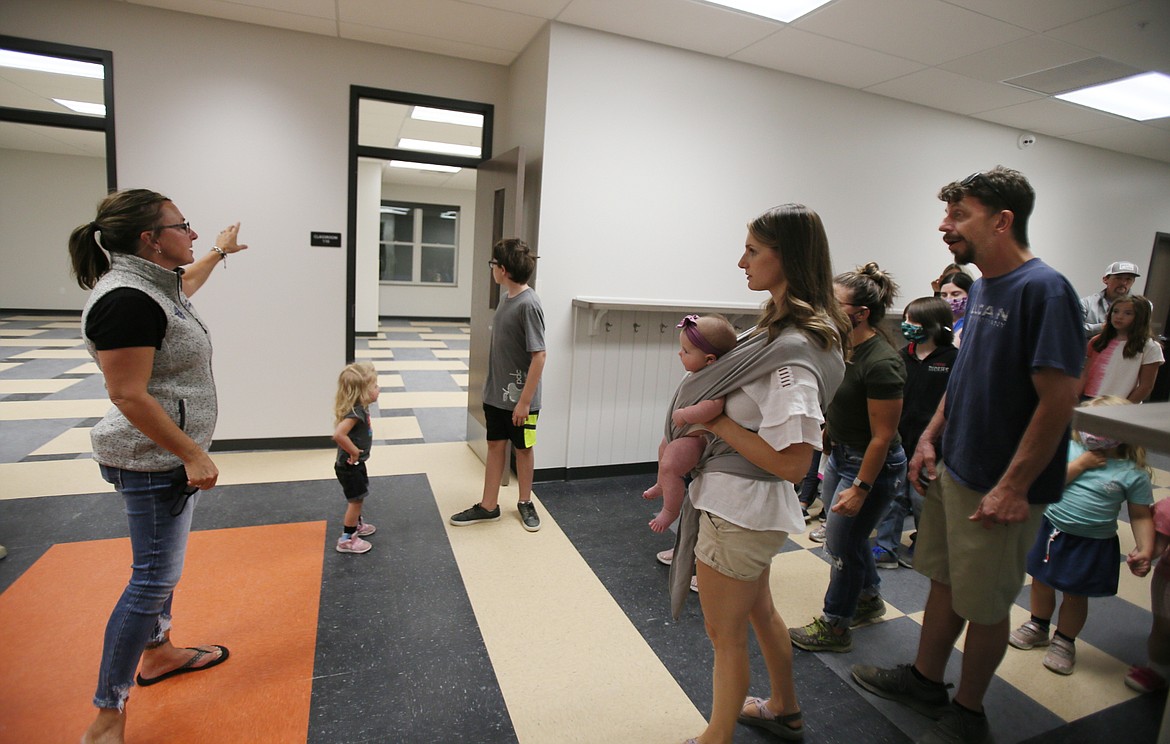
957, 725
819, 636
901, 685
528, 516
1061, 656
868, 610
818, 535
474, 515
883, 558
1027, 636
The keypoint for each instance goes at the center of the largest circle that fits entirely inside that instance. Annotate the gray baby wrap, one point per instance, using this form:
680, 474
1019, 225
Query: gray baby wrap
750, 360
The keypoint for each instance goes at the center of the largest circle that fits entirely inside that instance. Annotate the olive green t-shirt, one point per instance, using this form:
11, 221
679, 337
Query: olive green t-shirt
876, 373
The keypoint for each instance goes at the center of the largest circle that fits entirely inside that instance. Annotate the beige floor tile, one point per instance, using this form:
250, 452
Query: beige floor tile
1096, 683
56, 385
5, 366
89, 368
19, 480
23, 410
406, 344
46, 318
448, 324
422, 365
73, 441
65, 324
20, 332
403, 329
396, 427
390, 381
452, 353
373, 354
417, 400
53, 354
553, 632
444, 336
799, 580
461, 380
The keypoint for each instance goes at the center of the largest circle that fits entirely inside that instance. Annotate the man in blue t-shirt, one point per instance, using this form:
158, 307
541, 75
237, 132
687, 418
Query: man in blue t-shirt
993, 455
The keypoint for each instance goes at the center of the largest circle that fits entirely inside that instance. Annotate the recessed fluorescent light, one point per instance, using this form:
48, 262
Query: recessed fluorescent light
395, 210
444, 147
424, 166
778, 10
59, 65
447, 116
83, 107
450, 214
1141, 97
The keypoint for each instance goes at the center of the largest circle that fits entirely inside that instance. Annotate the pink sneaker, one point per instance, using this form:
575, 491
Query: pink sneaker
353, 545
1143, 679
365, 528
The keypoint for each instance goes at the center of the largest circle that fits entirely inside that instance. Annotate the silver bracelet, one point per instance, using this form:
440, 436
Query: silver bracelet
222, 255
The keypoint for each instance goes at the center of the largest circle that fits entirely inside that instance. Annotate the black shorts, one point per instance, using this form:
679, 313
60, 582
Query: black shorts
354, 480
499, 426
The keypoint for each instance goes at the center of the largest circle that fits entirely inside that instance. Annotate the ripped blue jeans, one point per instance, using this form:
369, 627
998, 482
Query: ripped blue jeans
847, 538
159, 510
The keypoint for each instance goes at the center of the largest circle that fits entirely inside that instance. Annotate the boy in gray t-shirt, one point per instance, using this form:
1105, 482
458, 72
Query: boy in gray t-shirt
511, 394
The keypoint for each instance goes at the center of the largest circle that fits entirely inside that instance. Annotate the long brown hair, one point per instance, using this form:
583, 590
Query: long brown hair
797, 234
1139, 332
122, 217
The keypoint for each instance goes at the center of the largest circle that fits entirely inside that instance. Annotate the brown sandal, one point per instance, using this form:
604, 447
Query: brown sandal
780, 725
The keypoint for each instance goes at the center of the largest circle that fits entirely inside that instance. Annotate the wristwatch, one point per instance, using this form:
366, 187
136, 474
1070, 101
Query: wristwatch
859, 483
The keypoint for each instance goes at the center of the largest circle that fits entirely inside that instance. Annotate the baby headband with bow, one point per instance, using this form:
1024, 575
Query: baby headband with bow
690, 326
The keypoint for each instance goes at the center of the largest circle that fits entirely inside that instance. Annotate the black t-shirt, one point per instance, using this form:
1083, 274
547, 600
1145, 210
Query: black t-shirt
926, 381
125, 318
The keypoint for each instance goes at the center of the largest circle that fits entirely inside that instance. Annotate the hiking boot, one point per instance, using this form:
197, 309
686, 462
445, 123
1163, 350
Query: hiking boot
957, 725
353, 544
1029, 635
902, 685
868, 610
474, 515
818, 535
819, 636
528, 516
884, 558
1061, 656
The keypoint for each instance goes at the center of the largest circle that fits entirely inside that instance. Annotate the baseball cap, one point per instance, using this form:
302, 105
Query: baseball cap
1122, 267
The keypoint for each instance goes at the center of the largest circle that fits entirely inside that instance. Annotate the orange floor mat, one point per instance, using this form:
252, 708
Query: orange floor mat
252, 589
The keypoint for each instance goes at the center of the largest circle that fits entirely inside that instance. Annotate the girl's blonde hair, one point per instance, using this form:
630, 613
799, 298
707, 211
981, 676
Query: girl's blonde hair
352, 384
1126, 451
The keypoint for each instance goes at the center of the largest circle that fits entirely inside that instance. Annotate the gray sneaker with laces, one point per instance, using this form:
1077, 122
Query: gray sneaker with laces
957, 725
474, 515
528, 516
868, 610
901, 685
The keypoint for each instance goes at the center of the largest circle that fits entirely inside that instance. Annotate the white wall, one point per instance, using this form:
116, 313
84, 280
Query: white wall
42, 198
244, 122
655, 158
405, 300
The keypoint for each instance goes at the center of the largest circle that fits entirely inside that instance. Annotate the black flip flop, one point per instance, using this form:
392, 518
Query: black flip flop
189, 666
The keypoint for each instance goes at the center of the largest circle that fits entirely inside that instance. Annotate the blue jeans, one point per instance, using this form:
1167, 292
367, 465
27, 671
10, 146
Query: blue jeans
847, 538
889, 529
160, 520
808, 486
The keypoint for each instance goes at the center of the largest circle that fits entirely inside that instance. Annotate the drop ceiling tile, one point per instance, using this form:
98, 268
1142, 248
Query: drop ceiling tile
679, 23
1050, 116
542, 8
821, 58
1017, 58
321, 18
1135, 138
1136, 34
927, 31
432, 44
458, 22
950, 92
1040, 15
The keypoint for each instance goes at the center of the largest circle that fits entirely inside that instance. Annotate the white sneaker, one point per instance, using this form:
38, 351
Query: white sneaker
1061, 656
1029, 635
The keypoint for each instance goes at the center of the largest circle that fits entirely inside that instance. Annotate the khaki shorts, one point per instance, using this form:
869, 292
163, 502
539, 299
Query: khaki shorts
984, 567
736, 551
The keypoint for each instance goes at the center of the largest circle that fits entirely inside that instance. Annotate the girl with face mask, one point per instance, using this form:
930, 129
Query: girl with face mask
954, 290
928, 359
1076, 548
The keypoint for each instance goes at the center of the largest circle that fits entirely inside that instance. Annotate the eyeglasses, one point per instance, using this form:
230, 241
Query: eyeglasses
978, 177
184, 226
494, 263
